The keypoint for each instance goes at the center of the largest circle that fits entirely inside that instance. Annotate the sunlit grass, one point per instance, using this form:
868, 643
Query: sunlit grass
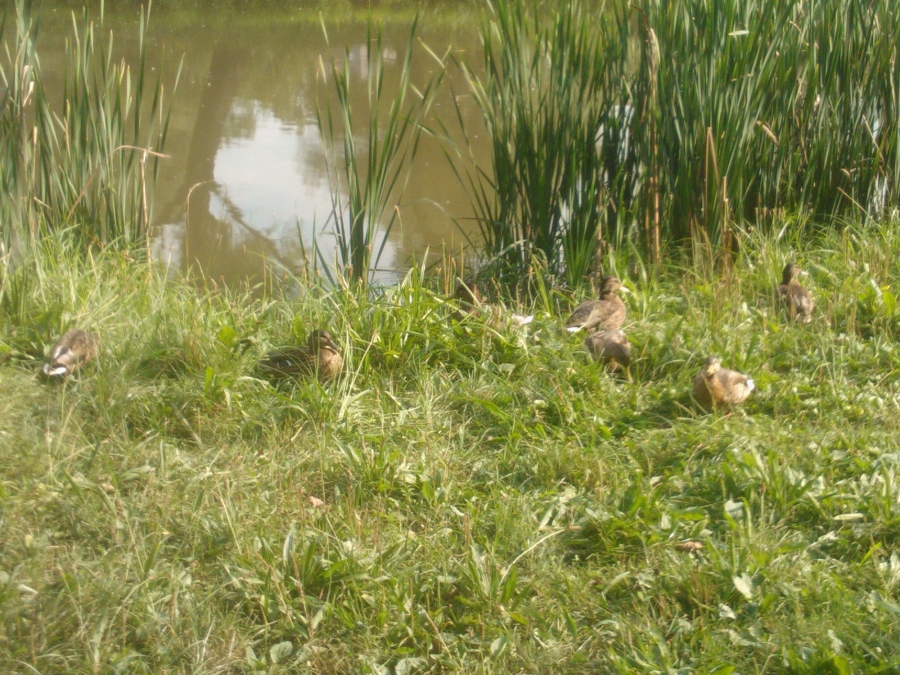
462, 499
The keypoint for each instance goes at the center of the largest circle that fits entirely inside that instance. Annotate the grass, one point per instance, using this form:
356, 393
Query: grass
463, 499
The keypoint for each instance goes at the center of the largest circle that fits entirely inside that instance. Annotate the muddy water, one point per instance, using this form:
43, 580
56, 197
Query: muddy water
245, 187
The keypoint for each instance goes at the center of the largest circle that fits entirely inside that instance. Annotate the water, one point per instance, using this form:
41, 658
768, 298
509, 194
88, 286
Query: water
246, 186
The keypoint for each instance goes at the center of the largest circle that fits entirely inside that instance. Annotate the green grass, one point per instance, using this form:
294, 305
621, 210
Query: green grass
490, 502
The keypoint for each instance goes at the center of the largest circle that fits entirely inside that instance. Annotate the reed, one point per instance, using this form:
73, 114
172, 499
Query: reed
88, 164
661, 122
769, 108
367, 180
546, 88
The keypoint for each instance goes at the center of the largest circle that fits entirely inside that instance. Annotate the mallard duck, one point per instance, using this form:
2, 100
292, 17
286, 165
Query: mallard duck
716, 386
607, 313
468, 298
610, 347
794, 297
319, 357
471, 303
72, 350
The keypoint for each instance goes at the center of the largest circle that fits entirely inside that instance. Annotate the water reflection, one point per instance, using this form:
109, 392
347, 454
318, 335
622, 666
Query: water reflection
247, 180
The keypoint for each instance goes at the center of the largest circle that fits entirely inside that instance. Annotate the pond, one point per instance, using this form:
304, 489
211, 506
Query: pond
245, 187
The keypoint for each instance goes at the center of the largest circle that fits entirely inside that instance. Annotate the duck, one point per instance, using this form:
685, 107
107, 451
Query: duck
715, 386
607, 313
70, 352
319, 358
468, 298
611, 347
794, 297
471, 303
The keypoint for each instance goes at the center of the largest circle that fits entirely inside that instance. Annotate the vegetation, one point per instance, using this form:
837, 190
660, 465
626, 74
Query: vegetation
88, 166
363, 196
708, 117
462, 499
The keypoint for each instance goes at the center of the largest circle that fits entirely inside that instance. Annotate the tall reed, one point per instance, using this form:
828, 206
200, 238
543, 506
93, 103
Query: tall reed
367, 181
89, 164
546, 89
770, 107
666, 121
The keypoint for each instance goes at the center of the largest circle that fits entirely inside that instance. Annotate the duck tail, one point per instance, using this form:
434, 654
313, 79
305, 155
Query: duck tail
54, 371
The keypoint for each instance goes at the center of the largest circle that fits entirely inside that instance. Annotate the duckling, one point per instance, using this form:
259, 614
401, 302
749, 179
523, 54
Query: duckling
72, 350
469, 299
794, 297
607, 313
471, 303
717, 386
610, 347
319, 357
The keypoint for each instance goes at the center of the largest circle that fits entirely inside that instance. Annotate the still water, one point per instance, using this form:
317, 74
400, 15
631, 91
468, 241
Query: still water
245, 187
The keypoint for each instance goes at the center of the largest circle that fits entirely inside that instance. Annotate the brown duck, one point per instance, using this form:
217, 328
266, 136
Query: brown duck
794, 297
469, 299
611, 347
607, 313
715, 386
319, 358
471, 303
71, 351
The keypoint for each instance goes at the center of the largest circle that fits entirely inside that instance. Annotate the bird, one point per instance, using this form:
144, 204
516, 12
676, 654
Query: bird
469, 299
716, 386
611, 347
607, 313
319, 358
471, 303
794, 297
72, 350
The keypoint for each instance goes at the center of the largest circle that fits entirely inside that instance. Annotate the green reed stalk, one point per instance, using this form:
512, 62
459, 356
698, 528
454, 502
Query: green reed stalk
707, 117
767, 107
88, 165
367, 181
547, 88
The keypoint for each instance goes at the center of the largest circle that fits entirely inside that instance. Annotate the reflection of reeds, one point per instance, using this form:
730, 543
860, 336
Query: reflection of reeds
367, 181
85, 166
729, 112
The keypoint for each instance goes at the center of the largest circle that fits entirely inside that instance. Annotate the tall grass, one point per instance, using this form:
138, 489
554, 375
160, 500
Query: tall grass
766, 107
708, 118
367, 180
87, 163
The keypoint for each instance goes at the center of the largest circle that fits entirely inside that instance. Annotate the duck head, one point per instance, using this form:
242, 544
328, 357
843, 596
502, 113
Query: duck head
609, 286
321, 339
711, 366
790, 271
